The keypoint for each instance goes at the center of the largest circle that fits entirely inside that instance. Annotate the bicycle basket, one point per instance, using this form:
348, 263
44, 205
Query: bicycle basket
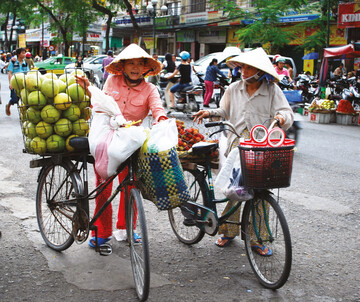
266, 167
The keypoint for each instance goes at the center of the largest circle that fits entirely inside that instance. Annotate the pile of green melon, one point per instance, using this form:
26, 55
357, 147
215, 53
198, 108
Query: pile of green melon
52, 110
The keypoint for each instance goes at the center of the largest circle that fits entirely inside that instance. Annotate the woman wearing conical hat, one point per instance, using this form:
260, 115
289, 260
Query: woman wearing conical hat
246, 103
135, 98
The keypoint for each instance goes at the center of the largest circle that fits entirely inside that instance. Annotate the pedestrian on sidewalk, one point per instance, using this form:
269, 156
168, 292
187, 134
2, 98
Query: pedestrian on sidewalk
106, 62
212, 72
19, 65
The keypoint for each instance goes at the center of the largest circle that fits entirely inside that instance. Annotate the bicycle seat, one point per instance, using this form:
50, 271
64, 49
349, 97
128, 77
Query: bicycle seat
79, 143
204, 147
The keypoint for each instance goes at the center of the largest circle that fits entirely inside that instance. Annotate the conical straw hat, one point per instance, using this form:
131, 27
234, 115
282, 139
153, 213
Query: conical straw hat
256, 58
133, 51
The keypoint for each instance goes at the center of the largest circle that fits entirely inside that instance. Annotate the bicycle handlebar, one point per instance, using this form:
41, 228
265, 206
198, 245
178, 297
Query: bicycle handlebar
224, 123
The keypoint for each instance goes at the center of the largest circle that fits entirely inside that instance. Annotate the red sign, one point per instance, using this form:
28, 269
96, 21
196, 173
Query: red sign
349, 15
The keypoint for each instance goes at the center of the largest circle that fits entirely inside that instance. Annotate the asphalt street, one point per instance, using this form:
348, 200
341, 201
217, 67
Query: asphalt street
321, 206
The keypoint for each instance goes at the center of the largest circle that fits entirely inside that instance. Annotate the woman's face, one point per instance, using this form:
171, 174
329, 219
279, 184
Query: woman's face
247, 71
134, 68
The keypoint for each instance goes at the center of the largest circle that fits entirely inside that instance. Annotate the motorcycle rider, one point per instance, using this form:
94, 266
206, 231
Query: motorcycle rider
185, 76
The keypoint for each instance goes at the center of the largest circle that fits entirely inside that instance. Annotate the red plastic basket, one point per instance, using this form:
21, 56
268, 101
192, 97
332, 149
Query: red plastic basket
266, 167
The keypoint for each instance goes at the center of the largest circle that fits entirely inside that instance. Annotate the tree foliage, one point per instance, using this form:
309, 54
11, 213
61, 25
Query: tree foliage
261, 21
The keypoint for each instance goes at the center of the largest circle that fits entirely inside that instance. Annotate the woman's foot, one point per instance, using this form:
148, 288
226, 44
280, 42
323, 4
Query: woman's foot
261, 249
224, 241
100, 241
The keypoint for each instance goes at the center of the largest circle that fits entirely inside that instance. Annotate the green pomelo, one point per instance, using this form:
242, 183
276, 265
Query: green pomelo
50, 88
76, 92
63, 127
33, 115
50, 114
63, 77
22, 111
38, 145
17, 81
51, 75
30, 130
32, 82
72, 113
28, 145
62, 101
55, 143
36, 99
77, 72
86, 113
70, 80
68, 147
44, 130
62, 86
80, 127
24, 95
23, 127
84, 103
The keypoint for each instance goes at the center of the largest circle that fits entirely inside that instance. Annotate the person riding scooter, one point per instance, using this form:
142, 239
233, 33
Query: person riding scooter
185, 76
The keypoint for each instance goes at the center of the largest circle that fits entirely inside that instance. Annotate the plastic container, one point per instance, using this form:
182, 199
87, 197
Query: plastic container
347, 119
320, 118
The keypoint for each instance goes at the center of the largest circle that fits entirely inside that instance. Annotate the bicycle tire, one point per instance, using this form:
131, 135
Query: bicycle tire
272, 271
198, 191
139, 252
56, 184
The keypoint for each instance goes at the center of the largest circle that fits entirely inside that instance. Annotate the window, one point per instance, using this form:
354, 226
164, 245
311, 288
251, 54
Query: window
174, 9
198, 6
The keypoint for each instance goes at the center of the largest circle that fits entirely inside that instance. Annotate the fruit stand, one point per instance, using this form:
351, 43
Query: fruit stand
325, 112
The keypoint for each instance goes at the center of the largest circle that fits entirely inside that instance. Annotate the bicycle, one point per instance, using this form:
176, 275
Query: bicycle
62, 207
262, 220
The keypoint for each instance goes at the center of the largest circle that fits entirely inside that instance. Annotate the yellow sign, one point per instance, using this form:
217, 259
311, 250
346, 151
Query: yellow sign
22, 40
309, 64
149, 42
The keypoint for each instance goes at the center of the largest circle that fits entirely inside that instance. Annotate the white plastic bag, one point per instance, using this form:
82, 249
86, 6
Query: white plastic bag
110, 142
231, 166
163, 136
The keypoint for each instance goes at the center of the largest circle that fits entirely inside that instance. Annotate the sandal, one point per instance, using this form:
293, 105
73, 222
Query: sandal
137, 238
224, 241
100, 241
262, 250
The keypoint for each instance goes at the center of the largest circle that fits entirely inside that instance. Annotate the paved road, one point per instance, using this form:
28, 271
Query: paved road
322, 208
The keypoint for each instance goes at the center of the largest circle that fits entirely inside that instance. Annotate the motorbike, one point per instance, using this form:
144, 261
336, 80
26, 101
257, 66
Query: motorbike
219, 89
308, 85
296, 101
352, 93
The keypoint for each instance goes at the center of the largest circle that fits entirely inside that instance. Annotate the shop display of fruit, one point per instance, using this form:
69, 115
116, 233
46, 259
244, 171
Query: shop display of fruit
345, 107
322, 105
52, 110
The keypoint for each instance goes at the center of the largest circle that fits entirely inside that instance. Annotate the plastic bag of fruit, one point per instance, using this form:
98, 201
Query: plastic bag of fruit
111, 138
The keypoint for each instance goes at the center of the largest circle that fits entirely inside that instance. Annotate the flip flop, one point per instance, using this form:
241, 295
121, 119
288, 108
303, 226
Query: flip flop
100, 241
137, 238
226, 240
262, 250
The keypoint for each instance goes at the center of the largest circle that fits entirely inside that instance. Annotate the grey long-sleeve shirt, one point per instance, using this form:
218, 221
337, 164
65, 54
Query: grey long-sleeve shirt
244, 112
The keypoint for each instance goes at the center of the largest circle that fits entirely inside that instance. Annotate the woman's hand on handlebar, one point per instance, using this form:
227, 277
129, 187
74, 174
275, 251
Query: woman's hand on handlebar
200, 115
280, 118
83, 82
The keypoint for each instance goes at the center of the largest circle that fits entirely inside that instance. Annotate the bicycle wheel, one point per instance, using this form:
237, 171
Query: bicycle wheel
54, 214
264, 224
139, 251
197, 187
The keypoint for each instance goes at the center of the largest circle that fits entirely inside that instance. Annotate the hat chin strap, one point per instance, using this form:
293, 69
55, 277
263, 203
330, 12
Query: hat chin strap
254, 78
139, 80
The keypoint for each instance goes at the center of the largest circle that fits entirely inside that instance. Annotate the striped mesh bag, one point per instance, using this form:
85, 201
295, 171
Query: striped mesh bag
161, 179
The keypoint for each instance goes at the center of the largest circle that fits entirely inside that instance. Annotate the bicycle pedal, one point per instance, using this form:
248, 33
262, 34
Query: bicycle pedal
105, 249
189, 222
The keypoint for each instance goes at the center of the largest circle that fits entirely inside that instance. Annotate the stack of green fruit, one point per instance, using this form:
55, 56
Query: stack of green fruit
327, 104
52, 110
